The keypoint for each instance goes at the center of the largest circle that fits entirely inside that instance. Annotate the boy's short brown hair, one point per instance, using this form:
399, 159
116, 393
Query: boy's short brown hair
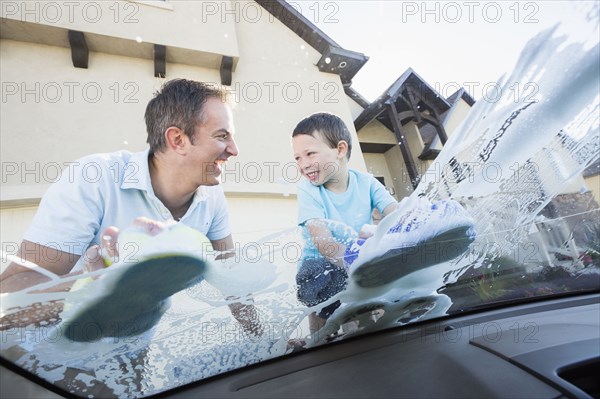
331, 127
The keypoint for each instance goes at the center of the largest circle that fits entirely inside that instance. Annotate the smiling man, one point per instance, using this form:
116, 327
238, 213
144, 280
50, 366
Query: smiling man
190, 134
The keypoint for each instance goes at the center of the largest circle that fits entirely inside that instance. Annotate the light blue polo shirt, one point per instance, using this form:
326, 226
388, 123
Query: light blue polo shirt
113, 189
353, 207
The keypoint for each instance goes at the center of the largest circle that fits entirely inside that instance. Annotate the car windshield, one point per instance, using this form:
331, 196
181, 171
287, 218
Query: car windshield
475, 204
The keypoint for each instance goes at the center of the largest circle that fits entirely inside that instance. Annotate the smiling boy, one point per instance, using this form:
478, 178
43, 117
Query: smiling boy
331, 191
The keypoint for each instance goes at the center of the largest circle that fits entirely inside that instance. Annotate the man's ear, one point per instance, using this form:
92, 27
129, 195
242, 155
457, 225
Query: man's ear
176, 139
342, 148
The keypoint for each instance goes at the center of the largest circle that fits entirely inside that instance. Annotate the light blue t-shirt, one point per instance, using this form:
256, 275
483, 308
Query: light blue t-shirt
353, 207
113, 189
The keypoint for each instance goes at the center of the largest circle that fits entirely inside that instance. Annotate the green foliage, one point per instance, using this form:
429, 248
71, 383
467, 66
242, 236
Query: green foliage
489, 286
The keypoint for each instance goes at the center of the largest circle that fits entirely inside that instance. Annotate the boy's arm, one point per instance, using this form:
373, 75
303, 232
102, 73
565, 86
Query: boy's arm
326, 243
369, 229
390, 208
310, 214
381, 198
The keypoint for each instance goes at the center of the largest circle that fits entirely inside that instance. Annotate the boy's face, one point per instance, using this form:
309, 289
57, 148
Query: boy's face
318, 162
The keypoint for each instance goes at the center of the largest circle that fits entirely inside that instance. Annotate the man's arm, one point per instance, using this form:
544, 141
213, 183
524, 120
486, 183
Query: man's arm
17, 277
223, 244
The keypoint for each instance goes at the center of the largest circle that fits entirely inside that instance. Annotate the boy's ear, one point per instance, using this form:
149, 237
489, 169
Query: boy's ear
342, 148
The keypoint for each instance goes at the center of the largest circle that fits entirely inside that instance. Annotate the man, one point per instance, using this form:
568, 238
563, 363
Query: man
190, 135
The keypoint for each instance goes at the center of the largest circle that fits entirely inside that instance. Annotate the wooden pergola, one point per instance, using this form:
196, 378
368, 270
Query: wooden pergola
408, 99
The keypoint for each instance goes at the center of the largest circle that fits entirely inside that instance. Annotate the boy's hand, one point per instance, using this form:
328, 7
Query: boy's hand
367, 230
327, 245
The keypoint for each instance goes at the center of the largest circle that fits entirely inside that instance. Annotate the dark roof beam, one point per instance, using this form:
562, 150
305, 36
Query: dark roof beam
375, 148
461, 94
353, 94
226, 70
408, 80
404, 99
423, 93
430, 119
404, 149
370, 113
160, 61
79, 49
420, 115
429, 154
439, 127
412, 102
404, 115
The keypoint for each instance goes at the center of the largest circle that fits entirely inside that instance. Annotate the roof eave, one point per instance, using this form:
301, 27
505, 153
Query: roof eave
335, 59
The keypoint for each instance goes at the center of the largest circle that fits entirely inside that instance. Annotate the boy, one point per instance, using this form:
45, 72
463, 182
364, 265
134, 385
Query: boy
322, 147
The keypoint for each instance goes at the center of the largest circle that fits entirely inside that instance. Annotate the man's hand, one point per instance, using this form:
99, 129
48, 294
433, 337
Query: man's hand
99, 256
105, 254
17, 277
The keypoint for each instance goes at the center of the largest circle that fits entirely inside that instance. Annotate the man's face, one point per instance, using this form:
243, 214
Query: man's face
213, 142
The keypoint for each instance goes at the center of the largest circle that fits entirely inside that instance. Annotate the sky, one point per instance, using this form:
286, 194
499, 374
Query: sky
448, 43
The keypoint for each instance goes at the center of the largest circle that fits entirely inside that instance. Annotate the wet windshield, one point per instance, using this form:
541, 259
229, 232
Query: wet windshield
506, 211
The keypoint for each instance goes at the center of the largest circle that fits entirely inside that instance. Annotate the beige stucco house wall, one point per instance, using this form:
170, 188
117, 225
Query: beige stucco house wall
454, 117
593, 184
379, 164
